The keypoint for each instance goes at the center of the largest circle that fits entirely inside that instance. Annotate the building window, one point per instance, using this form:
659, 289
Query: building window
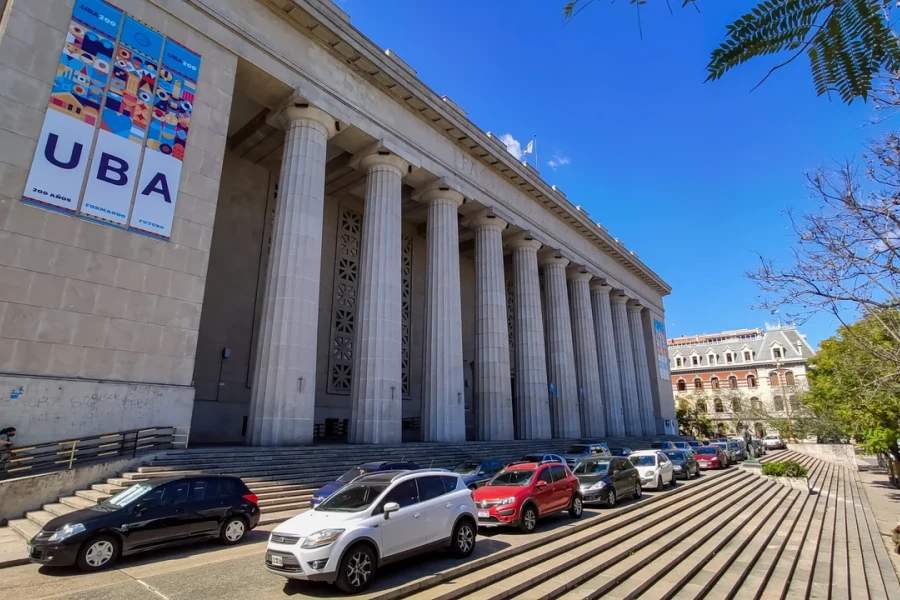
717, 404
701, 406
732, 382
682, 386
746, 356
751, 381
714, 383
698, 384
776, 353
755, 403
729, 357
779, 404
679, 362
788, 378
773, 379
736, 405
795, 404
695, 360
712, 359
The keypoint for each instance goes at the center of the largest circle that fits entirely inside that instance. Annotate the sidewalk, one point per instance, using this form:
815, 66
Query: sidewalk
12, 548
885, 501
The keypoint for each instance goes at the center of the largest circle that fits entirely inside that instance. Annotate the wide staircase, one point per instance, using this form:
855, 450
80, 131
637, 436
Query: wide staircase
284, 479
732, 535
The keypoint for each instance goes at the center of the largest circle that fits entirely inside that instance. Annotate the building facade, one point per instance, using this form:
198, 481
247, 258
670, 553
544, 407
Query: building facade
245, 218
747, 376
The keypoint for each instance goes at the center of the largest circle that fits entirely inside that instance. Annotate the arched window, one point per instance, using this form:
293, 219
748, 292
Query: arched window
701, 406
732, 382
779, 403
795, 404
755, 403
751, 381
682, 386
788, 378
773, 379
736, 405
698, 384
720, 429
714, 383
718, 406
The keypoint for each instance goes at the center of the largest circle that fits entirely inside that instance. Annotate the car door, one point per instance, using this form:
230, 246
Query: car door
436, 507
619, 477
207, 505
162, 517
665, 467
543, 494
562, 486
405, 529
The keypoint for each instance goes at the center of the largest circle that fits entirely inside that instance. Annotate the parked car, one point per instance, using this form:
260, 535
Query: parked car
654, 467
150, 514
682, 445
695, 445
759, 449
684, 463
606, 479
382, 465
378, 518
773, 442
662, 446
577, 452
739, 447
541, 457
523, 493
711, 457
621, 451
728, 450
476, 473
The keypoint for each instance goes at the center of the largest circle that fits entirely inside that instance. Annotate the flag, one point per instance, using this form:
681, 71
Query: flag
529, 148
552, 388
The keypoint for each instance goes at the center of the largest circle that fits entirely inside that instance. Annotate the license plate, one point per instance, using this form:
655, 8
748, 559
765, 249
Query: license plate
277, 561
484, 514
703, 464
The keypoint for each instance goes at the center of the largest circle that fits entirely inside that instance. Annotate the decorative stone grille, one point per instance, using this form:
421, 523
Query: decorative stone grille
343, 309
406, 316
510, 323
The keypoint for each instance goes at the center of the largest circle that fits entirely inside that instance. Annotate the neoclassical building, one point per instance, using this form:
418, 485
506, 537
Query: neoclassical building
742, 376
245, 218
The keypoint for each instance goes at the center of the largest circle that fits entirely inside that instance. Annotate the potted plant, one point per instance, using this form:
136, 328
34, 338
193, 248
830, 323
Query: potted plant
789, 473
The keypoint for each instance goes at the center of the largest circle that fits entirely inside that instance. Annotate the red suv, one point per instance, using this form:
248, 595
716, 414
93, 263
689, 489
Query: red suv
522, 493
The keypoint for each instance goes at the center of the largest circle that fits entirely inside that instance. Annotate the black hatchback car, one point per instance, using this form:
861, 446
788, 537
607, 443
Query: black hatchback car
684, 462
606, 479
149, 514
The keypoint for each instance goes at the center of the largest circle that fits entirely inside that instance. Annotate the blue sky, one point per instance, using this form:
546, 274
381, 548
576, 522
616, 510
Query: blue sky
692, 176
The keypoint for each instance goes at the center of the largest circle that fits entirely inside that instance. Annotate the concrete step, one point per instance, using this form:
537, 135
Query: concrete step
876, 563
24, 527
77, 502
93, 495
304, 494
41, 517
59, 509
123, 482
107, 488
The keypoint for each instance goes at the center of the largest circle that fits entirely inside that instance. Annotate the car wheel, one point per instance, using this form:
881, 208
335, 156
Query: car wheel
463, 538
528, 520
659, 482
611, 498
638, 492
233, 531
576, 507
98, 553
357, 569
674, 480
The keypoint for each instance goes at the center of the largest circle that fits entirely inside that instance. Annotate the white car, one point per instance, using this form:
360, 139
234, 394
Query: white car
374, 520
773, 442
654, 467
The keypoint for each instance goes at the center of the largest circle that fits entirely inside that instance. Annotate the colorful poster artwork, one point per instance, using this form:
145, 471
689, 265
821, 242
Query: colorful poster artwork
662, 350
57, 171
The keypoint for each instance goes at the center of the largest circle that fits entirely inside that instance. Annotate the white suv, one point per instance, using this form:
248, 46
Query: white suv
374, 520
773, 442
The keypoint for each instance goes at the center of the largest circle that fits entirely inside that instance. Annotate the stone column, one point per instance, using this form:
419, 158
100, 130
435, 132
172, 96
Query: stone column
493, 396
443, 406
532, 396
642, 370
630, 401
593, 422
608, 359
284, 383
565, 415
375, 390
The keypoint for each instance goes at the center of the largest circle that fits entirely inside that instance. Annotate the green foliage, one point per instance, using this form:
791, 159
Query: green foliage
847, 42
787, 468
693, 421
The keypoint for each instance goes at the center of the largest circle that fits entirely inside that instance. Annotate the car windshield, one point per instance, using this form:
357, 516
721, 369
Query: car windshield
578, 449
771, 437
533, 458
643, 461
513, 477
720, 445
592, 467
353, 474
676, 455
353, 497
707, 450
656, 445
467, 467
127, 496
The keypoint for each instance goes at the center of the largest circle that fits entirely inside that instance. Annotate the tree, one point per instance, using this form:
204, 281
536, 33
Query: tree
849, 43
859, 391
691, 420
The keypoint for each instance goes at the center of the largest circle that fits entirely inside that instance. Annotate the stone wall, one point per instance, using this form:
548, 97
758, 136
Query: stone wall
842, 454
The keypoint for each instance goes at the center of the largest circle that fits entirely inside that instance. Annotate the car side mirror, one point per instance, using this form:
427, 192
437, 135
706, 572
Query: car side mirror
541, 483
139, 507
482, 472
390, 507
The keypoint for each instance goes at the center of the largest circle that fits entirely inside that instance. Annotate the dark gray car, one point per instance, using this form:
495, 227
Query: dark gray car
578, 452
684, 462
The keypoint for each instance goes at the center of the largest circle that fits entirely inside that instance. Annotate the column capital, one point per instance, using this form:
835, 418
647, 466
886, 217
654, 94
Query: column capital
619, 297
384, 158
523, 240
438, 190
549, 257
485, 219
600, 285
634, 305
293, 112
578, 273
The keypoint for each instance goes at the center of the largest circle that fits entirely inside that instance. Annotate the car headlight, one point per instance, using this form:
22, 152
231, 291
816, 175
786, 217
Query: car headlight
677, 467
66, 532
598, 486
505, 501
322, 538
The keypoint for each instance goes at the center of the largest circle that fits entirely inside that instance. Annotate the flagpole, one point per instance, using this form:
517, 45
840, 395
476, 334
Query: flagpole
535, 154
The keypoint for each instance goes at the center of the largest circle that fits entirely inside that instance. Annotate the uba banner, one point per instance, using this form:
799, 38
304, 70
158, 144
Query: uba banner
117, 123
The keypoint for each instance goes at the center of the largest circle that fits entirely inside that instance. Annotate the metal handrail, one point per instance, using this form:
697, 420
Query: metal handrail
68, 454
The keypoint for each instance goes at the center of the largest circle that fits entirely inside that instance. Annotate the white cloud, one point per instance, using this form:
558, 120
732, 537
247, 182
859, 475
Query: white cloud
558, 161
513, 145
